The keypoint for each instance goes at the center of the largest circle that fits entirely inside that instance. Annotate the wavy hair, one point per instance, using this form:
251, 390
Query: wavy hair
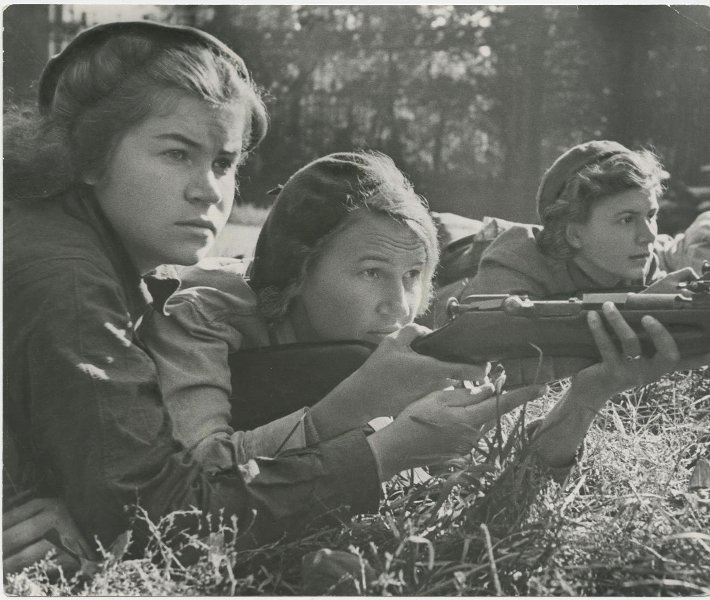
104, 90
616, 174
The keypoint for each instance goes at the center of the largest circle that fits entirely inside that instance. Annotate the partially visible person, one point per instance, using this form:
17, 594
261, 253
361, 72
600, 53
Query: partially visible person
690, 248
469, 239
130, 162
597, 205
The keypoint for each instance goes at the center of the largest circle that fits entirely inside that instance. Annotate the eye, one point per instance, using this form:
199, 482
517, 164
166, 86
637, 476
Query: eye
627, 220
224, 164
176, 154
371, 274
413, 275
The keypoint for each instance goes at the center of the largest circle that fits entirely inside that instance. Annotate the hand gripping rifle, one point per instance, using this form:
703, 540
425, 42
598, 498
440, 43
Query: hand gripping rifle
271, 382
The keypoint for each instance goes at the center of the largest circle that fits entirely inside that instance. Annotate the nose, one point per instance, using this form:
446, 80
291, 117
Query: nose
203, 188
394, 303
646, 233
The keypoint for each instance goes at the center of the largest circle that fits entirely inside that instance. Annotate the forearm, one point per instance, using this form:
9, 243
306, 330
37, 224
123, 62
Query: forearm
203, 423
563, 429
273, 497
343, 409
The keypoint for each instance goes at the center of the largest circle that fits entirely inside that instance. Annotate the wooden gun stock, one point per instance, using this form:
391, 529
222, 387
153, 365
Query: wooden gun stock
269, 383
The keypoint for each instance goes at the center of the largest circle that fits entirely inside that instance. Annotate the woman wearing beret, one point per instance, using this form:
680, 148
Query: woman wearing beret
598, 204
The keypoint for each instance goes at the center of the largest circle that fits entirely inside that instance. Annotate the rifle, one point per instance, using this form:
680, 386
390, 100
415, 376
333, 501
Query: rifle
280, 379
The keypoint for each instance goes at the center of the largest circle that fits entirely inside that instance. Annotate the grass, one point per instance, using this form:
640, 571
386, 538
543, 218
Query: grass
625, 523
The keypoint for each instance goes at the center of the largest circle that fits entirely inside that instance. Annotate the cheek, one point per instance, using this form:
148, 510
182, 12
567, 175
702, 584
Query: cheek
415, 300
347, 302
228, 189
606, 240
352, 297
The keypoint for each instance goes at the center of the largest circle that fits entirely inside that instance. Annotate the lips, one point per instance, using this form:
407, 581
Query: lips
200, 224
643, 256
384, 332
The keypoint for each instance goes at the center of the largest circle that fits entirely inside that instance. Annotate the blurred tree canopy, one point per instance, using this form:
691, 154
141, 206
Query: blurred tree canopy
473, 102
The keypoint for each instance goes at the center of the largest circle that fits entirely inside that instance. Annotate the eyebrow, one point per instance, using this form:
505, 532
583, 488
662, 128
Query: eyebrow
183, 139
177, 137
633, 211
382, 259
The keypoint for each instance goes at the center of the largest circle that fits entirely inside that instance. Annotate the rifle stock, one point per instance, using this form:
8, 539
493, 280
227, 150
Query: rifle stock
271, 382
511, 327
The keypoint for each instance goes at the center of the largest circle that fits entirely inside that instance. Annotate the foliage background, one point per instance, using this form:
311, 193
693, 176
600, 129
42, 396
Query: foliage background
472, 101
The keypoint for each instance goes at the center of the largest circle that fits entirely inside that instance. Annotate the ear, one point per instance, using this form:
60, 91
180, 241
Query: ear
572, 235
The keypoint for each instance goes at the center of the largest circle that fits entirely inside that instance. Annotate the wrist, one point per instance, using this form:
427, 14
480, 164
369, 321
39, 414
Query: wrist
589, 396
386, 447
343, 409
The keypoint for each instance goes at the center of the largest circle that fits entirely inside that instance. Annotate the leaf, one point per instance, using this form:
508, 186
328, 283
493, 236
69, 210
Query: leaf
119, 547
700, 477
337, 572
418, 539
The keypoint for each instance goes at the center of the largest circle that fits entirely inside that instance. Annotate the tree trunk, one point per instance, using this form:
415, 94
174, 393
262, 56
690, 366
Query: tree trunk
522, 131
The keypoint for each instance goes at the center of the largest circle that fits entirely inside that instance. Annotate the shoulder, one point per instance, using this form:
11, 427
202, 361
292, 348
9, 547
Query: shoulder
39, 236
217, 272
515, 247
515, 263
515, 236
214, 302
688, 249
699, 230
216, 288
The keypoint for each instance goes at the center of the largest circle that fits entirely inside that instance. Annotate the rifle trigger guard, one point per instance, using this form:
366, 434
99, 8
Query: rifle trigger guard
452, 307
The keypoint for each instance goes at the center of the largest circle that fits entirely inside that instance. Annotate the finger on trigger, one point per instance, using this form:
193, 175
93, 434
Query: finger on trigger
470, 372
498, 405
482, 392
460, 397
528, 393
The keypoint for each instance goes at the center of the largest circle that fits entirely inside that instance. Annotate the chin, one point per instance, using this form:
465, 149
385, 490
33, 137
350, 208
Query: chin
189, 258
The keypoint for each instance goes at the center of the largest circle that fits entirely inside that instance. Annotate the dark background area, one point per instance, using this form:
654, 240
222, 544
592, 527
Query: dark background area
472, 102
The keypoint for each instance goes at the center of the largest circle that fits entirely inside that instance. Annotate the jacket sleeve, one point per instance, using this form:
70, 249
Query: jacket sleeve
688, 249
87, 398
494, 277
190, 342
